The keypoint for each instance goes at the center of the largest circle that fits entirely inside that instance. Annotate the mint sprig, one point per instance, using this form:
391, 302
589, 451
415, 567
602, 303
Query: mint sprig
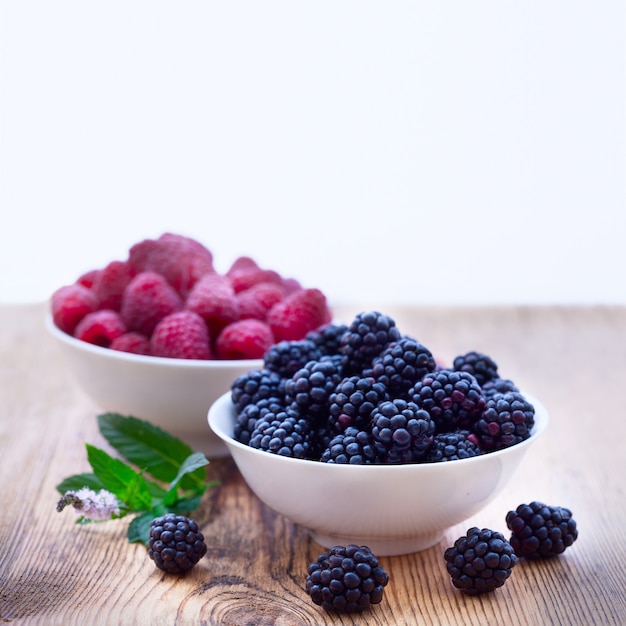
157, 474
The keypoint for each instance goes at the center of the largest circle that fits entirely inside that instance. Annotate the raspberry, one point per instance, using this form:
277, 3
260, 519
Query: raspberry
245, 279
255, 385
480, 562
257, 301
148, 298
245, 339
242, 264
461, 444
110, 283
346, 578
175, 543
89, 278
69, 304
353, 446
287, 357
180, 260
352, 402
213, 299
367, 336
181, 335
482, 367
299, 313
100, 328
134, 343
541, 531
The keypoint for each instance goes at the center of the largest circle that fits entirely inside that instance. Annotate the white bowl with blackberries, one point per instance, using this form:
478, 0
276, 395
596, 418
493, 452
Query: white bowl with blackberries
360, 435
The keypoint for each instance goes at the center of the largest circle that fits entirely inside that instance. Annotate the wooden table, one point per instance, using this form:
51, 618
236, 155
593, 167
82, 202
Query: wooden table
54, 572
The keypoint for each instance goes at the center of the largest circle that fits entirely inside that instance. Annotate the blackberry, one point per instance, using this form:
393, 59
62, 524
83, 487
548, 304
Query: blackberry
482, 367
328, 337
353, 446
346, 579
352, 402
403, 433
480, 562
453, 399
287, 357
541, 531
251, 413
254, 386
310, 387
367, 336
460, 444
175, 543
498, 385
284, 433
506, 420
401, 364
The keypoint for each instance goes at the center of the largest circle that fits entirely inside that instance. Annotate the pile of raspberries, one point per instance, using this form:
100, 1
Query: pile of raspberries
166, 299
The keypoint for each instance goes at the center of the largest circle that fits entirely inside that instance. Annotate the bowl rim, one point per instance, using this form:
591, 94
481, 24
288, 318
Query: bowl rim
538, 429
85, 346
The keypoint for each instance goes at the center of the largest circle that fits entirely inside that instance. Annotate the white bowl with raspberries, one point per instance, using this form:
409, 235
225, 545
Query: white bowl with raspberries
370, 440
161, 334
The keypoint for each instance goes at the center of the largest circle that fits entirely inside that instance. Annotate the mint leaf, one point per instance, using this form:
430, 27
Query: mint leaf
139, 528
190, 464
78, 481
147, 446
120, 479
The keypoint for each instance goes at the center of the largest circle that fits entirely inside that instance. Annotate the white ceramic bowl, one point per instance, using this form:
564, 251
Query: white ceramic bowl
174, 394
393, 509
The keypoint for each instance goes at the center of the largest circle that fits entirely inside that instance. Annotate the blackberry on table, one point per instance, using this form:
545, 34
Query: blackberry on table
285, 433
255, 385
403, 433
481, 366
175, 543
251, 413
352, 402
453, 399
353, 446
541, 531
401, 364
346, 579
460, 444
328, 337
287, 357
506, 420
480, 561
366, 337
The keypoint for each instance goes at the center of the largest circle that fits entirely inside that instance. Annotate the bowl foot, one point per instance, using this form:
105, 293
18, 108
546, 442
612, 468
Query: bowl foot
382, 546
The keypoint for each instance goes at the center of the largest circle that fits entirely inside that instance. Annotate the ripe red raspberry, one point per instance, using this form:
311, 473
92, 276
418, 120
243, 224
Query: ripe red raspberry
181, 260
110, 283
69, 304
296, 315
181, 335
89, 278
132, 342
213, 299
147, 299
100, 327
245, 339
258, 300
242, 263
244, 279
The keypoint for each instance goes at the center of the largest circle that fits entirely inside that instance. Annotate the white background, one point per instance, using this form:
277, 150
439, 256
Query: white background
396, 152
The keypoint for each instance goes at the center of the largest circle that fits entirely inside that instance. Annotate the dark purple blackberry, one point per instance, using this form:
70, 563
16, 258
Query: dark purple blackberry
401, 364
460, 444
175, 543
310, 387
540, 530
482, 367
367, 336
284, 433
328, 337
506, 420
287, 357
352, 402
403, 433
254, 386
353, 446
480, 562
453, 399
251, 413
498, 385
346, 579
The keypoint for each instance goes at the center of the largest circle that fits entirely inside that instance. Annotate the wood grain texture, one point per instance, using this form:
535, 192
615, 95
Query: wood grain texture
53, 572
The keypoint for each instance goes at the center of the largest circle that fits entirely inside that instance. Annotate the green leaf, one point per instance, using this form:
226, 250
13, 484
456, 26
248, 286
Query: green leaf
119, 478
78, 481
150, 448
139, 528
190, 464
